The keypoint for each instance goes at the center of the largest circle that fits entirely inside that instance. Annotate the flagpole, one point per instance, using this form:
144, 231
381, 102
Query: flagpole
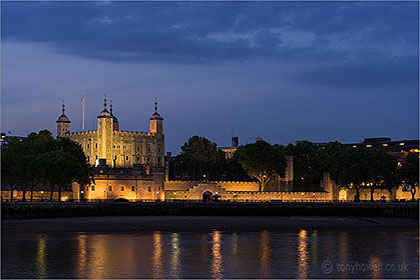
83, 110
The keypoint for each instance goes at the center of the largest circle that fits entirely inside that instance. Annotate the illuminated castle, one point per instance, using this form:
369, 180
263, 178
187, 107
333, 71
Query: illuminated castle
111, 146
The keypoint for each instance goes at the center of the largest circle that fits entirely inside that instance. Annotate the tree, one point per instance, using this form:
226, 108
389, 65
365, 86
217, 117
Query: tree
41, 158
261, 161
308, 167
360, 168
199, 158
410, 173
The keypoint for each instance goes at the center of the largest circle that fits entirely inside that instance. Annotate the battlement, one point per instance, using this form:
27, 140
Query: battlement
133, 133
88, 132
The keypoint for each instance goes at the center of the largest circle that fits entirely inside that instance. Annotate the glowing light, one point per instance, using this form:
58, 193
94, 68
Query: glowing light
385, 145
41, 262
265, 254
157, 256
354, 146
368, 146
402, 144
216, 264
302, 193
175, 256
302, 255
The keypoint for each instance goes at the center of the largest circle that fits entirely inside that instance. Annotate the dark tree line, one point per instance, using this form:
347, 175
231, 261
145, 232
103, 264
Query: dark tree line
351, 168
41, 159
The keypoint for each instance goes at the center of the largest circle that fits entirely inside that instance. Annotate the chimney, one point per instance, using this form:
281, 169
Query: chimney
235, 141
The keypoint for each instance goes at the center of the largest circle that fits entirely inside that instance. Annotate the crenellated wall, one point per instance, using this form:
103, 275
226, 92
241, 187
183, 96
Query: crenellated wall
36, 196
215, 188
228, 185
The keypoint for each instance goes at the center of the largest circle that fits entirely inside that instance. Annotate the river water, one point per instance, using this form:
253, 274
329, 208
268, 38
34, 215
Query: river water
289, 253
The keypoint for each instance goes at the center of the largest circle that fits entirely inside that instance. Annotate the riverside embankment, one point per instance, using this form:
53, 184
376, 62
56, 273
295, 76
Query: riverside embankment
27, 210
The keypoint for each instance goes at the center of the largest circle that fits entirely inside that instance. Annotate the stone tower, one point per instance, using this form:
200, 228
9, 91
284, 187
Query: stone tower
63, 124
156, 122
105, 129
114, 119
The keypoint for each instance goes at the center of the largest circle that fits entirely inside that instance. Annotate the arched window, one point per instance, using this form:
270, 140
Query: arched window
122, 189
132, 188
110, 188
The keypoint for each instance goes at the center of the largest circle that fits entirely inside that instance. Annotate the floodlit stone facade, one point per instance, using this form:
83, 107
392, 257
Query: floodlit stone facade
118, 148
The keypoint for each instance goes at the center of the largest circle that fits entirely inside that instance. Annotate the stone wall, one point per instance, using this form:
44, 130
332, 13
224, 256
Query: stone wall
399, 194
228, 185
214, 188
36, 196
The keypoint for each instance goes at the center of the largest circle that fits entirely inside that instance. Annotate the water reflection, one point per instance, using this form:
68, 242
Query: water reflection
374, 263
157, 271
265, 254
216, 263
282, 254
82, 254
302, 254
41, 261
175, 252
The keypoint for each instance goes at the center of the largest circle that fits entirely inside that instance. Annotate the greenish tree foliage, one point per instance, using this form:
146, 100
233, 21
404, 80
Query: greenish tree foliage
262, 161
40, 158
308, 167
199, 158
410, 172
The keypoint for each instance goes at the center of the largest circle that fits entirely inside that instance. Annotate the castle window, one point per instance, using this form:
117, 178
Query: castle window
96, 145
126, 158
158, 160
114, 146
110, 188
92, 188
88, 146
148, 159
132, 188
122, 189
96, 156
149, 189
138, 148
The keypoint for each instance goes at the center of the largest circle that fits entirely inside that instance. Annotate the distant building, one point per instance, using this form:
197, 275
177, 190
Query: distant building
229, 151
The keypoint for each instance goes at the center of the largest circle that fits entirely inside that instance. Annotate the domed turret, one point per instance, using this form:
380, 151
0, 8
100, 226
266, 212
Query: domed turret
63, 123
104, 113
114, 119
156, 122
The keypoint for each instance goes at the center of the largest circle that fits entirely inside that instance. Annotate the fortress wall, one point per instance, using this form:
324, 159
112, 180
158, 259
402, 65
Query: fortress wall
37, 195
348, 195
113, 188
228, 185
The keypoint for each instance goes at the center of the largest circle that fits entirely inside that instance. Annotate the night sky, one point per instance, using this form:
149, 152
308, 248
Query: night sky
285, 71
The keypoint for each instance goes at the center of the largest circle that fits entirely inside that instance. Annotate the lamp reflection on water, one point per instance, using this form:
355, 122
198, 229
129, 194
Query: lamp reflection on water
265, 253
216, 263
157, 256
41, 261
303, 254
176, 251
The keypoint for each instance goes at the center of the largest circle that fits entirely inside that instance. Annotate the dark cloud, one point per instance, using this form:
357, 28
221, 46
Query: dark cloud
185, 32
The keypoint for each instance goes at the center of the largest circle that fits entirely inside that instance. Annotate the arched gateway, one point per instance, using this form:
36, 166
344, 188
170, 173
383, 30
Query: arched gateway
207, 196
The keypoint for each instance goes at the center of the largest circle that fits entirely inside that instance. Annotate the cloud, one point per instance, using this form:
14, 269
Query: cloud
212, 32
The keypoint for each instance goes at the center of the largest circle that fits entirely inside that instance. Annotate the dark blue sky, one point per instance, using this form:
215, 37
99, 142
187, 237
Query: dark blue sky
285, 71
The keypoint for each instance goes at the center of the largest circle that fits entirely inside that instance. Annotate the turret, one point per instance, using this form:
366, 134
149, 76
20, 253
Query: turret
105, 128
156, 122
63, 123
115, 124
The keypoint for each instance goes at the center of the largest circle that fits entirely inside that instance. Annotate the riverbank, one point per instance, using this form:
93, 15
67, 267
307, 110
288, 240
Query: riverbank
194, 223
19, 210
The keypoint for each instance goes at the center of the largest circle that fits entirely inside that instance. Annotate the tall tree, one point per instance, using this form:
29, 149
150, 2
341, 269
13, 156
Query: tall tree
199, 158
308, 167
410, 172
262, 161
